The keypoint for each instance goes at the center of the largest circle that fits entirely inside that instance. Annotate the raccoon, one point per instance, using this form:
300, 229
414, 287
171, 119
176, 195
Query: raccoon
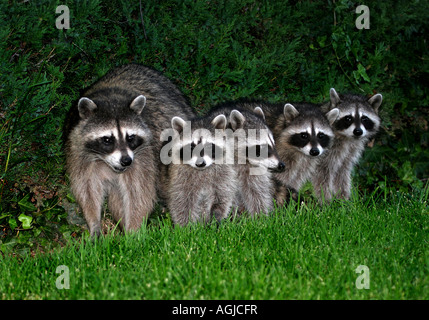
112, 143
357, 123
255, 156
302, 134
201, 185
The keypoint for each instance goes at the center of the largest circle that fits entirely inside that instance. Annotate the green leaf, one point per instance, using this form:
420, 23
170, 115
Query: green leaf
70, 198
4, 215
321, 41
25, 204
356, 76
362, 72
26, 220
12, 223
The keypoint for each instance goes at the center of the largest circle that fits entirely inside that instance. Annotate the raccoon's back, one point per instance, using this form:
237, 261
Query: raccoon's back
271, 110
164, 100
121, 85
139, 79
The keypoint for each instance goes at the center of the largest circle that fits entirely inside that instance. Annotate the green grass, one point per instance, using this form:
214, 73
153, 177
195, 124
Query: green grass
216, 51
299, 252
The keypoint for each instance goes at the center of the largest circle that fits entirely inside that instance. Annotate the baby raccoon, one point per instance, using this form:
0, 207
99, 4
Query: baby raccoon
302, 134
255, 156
200, 184
357, 123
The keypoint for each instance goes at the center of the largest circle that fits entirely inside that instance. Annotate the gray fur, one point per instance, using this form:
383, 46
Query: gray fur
134, 97
285, 120
195, 194
255, 191
333, 175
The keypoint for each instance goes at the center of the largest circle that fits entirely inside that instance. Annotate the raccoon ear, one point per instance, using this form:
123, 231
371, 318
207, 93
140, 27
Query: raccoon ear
335, 98
375, 101
290, 112
178, 124
259, 112
138, 104
236, 119
219, 122
86, 107
332, 115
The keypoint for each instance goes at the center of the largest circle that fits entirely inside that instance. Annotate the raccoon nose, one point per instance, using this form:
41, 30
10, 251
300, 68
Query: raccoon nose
200, 164
357, 132
126, 161
281, 167
314, 152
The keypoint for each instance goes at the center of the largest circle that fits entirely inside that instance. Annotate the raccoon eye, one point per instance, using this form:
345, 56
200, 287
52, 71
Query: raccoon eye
213, 150
364, 119
321, 135
304, 135
258, 150
107, 140
131, 137
348, 118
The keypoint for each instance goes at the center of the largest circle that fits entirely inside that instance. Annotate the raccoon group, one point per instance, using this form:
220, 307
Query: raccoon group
133, 138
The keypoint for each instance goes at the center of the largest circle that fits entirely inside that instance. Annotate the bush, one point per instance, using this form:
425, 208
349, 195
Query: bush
214, 51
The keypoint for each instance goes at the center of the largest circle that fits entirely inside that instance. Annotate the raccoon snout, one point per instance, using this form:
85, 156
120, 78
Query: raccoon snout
200, 164
126, 161
358, 132
281, 167
314, 152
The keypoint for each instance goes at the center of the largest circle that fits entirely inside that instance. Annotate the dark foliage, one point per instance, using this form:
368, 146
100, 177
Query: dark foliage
214, 51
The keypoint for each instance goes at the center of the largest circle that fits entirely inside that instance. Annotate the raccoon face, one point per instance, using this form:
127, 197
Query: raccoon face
310, 135
311, 141
262, 153
358, 118
259, 141
116, 146
357, 124
113, 141
202, 151
200, 148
